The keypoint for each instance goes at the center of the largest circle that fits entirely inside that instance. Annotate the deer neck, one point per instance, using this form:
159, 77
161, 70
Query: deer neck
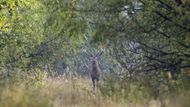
95, 65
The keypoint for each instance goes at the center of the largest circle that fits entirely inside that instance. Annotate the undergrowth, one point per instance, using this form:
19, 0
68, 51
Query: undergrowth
38, 90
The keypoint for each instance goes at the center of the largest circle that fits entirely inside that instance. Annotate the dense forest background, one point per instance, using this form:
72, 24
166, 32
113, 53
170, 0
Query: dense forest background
145, 45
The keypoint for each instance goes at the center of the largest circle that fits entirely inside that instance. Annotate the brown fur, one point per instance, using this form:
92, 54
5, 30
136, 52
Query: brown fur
95, 72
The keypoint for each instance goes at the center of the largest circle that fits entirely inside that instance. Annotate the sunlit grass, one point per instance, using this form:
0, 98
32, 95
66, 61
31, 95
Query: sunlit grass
75, 92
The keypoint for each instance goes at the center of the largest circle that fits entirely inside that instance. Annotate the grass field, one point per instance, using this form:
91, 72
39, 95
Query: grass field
75, 92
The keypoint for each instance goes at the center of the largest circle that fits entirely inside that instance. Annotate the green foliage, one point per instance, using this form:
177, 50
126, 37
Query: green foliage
23, 33
143, 40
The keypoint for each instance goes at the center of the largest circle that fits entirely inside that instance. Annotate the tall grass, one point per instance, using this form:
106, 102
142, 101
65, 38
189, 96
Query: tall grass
149, 91
54, 92
77, 92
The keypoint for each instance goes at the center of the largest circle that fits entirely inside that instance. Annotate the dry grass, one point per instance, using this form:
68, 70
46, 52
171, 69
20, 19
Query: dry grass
75, 92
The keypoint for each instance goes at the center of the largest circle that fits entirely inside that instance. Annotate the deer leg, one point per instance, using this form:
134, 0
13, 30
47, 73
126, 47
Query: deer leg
97, 85
93, 83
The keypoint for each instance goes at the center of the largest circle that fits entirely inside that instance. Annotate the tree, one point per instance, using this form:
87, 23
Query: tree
160, 28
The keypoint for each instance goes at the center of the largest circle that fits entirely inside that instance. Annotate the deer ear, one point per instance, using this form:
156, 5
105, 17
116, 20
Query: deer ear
91, 56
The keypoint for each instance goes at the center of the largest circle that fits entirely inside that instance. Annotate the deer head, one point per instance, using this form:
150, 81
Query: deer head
94, 57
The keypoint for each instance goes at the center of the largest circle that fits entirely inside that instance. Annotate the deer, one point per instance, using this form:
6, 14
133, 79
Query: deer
95, 70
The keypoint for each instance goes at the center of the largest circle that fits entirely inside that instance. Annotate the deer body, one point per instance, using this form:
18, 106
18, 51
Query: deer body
95, 72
